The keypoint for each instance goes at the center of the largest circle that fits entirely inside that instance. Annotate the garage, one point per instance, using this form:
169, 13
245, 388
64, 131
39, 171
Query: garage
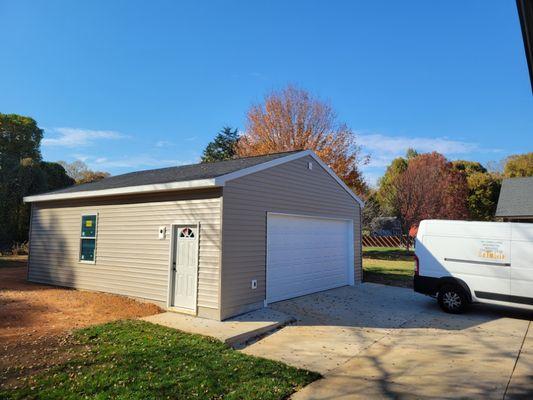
306, 255
197, 238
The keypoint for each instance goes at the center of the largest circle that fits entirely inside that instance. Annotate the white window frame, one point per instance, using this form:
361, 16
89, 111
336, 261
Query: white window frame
88, 237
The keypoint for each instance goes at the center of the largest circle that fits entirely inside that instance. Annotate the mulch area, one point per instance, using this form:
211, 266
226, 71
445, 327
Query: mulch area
36, 321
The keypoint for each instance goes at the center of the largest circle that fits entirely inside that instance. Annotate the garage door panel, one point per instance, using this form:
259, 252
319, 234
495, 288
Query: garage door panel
305, 255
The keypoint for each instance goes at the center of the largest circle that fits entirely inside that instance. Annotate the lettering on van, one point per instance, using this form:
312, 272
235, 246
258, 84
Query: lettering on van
491, 250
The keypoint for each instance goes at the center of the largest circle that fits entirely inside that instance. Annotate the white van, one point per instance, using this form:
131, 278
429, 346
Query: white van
461, 262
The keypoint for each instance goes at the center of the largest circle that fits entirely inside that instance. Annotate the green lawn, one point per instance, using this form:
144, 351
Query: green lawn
139, 360
388, 265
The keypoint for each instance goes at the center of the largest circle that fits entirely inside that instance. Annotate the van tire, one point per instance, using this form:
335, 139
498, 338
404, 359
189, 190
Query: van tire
452, 299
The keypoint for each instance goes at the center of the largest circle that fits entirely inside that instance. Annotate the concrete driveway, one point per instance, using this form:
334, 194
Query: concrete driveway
374, 341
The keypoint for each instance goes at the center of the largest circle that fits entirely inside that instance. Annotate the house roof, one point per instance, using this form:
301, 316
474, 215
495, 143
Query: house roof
173, 174
182, 177
516, 198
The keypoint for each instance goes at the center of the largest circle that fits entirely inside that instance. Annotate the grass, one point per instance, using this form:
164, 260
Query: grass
388, 265
139, 360
13, 261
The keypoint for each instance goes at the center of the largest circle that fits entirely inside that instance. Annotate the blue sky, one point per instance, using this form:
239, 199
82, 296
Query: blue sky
128, 85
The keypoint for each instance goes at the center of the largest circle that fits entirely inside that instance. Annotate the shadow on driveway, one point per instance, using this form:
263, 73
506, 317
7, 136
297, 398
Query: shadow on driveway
387, 342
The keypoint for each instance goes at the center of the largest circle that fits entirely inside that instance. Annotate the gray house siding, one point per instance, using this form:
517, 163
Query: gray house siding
288, 188
130, 259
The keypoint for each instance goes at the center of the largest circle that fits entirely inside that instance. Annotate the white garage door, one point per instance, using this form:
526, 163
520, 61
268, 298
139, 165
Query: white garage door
306, 255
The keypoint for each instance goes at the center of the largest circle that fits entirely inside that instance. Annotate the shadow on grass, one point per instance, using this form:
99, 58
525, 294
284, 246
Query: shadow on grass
135, 359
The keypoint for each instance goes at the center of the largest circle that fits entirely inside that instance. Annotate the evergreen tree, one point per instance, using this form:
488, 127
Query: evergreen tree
222, 147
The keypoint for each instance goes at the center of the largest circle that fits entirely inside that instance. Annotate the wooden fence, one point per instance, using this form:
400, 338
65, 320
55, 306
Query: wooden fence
388, 241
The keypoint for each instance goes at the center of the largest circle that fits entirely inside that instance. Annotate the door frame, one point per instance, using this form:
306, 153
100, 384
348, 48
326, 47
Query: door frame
171, 252
351, 245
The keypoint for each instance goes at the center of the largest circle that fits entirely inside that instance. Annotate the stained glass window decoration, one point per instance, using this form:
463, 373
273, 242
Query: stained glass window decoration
186, 233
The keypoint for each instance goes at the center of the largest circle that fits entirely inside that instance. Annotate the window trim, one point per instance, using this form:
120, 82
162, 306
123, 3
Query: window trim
95, 238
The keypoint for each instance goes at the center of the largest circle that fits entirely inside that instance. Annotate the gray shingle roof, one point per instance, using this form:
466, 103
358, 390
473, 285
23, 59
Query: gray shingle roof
173, 174
516, 198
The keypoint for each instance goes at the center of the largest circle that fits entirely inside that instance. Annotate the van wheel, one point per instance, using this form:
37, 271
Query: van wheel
452, 299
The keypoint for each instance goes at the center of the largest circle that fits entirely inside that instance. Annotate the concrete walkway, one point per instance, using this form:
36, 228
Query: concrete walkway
233, 332
375, 341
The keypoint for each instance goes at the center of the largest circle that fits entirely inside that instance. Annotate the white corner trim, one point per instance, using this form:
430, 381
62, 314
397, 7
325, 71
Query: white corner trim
162, 187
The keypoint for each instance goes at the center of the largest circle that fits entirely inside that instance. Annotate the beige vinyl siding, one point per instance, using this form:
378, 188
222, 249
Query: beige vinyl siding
288, 188
130, 259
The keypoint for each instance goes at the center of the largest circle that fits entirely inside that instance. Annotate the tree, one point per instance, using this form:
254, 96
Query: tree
468, 167
430, 188
483, 193
291, 119
483, 189
518, 165
56, 176
411, 153
222, 147
26, 178
371, 211
386, 194
92, 176
20, 138
22, 173
80, 172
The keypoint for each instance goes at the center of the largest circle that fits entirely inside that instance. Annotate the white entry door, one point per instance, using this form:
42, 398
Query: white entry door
185, 267
307, 255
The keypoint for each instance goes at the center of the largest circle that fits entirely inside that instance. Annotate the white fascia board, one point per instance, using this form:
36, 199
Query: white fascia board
221, 180
161, 187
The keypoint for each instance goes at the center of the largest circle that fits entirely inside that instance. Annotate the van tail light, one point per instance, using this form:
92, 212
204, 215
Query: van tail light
417, 266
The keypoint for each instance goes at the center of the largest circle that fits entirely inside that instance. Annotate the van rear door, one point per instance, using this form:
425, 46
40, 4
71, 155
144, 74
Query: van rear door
522, 265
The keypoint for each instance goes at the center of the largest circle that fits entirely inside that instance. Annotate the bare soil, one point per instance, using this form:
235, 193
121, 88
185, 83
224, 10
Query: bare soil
36, 320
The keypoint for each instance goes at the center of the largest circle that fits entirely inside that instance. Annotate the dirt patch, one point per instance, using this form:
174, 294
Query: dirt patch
35, 321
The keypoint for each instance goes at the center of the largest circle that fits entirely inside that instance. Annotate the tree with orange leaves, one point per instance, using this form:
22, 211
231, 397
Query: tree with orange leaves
292, 119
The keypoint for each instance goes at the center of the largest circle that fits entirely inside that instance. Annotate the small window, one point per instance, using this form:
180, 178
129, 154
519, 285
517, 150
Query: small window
88, 238
186, 233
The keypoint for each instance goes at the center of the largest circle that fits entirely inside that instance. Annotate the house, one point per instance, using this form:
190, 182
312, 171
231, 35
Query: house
213, 240
386, 226
516, 200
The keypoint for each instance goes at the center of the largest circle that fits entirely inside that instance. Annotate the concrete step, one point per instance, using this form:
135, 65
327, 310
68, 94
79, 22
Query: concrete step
235, 332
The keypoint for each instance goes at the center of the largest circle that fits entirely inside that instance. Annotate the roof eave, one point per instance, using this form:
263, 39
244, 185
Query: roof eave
161, 187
